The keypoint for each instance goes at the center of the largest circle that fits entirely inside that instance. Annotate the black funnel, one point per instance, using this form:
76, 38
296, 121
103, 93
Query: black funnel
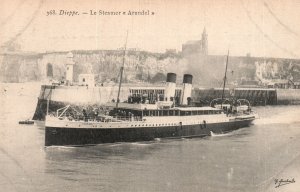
187, 78
171, 77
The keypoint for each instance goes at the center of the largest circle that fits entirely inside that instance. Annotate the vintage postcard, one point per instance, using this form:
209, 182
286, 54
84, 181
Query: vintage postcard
149, 95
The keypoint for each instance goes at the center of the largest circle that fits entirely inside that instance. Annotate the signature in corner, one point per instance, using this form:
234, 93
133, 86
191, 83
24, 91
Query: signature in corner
281, 182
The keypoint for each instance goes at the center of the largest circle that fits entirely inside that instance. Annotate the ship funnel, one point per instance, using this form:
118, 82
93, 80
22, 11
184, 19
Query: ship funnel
170, 87
187, 89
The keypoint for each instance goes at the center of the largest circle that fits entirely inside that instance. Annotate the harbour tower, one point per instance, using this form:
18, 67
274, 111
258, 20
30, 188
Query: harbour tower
70, 68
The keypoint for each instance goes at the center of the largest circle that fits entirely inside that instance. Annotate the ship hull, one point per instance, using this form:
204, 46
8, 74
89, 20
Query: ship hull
90, 136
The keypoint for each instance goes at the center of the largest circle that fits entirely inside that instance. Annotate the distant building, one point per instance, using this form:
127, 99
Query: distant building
130, 49
171, 51
196, 46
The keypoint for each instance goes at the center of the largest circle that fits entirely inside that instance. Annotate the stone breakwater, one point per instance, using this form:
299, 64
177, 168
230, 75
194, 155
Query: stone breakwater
89, 97
60, 96
288, 96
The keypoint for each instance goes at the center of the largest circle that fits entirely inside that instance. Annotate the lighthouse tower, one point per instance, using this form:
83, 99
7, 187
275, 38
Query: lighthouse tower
69, 68
204, 42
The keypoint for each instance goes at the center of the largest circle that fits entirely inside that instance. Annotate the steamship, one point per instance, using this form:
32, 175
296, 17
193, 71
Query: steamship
139, 119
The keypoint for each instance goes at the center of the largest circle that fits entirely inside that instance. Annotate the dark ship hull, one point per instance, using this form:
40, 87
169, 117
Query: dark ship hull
77, 136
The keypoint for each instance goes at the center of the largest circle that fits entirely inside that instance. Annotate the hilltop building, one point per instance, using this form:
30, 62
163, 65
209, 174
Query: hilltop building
196, 46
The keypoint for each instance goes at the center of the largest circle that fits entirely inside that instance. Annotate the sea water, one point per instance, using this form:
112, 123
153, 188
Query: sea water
248, 159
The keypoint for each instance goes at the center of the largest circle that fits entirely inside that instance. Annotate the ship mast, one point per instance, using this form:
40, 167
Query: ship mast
121, 72
225, 78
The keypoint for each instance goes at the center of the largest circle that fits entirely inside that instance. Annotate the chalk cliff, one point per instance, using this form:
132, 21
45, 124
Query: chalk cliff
143, 66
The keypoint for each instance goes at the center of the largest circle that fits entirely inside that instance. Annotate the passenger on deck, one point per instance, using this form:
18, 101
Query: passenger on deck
96, 113
85, 116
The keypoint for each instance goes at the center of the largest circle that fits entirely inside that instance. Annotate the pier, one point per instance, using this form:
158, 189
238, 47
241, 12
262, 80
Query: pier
256, 96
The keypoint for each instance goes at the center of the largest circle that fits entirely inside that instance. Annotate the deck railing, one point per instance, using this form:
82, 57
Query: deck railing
99, 118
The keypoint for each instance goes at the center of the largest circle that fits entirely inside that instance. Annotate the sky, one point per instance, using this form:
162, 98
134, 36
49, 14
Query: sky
264, 28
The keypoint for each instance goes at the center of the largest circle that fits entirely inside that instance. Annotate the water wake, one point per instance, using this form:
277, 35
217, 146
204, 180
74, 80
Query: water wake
221, 134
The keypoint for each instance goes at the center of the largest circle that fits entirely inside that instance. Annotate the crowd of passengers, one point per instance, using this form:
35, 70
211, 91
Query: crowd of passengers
99, 115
